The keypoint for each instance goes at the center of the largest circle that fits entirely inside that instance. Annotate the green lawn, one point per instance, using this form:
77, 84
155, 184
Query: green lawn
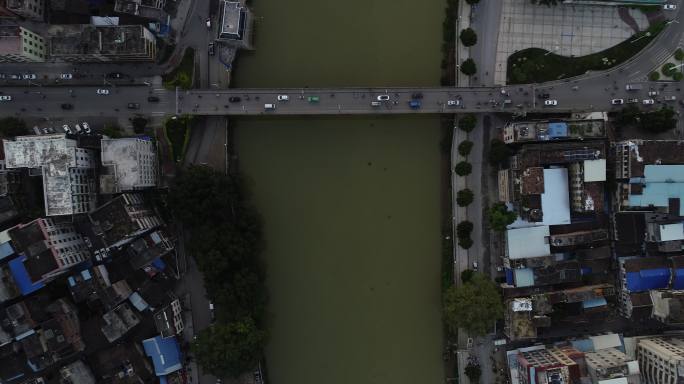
182, 76
536, 65
178, 133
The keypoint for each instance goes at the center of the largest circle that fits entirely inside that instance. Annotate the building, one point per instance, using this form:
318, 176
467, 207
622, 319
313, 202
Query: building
550, 365
118, 322
165, 354
668, 306
637, 276
149, 9
21, 45
609, 364
123, 363
67, 171
545, 130
661, 358
48, 248
169, 319
76, 373
101, 43
128, 164
527, 242
123, 219
234, 24
28, 9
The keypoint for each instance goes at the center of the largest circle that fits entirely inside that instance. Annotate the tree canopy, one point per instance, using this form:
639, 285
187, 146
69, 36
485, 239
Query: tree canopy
467, 123
660, 120
468, 67
468, 37
11, 127
474, 372
500, 217
498, 152
463, 168
464, 197
465, 147
474, 306
229, 349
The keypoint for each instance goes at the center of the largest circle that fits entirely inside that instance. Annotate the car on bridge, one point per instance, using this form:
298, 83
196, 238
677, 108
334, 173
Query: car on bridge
453, 103
313, 99
103, 92
115, 75
66, 76
550, 103
67, 106
632, 101
617, 101
383, 97
5, 98
234, 99
417, 95
414, 104
669, 7
648, 101
283, 97
153, 99
30, 76
133, 106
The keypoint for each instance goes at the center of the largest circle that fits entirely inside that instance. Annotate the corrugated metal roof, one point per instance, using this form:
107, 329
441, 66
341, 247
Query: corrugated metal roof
558, 130
647, 279
524, 277
528, 242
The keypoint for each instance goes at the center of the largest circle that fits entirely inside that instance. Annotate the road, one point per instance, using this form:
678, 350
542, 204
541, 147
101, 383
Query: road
485, 22
590, 94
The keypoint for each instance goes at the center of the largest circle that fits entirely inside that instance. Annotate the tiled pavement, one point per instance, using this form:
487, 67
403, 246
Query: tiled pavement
564, 29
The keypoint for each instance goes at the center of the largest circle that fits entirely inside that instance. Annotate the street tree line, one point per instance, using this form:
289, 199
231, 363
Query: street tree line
225, 237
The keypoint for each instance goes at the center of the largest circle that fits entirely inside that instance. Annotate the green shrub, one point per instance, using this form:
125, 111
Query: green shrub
465, 147
654, 76
463, 168
464, 197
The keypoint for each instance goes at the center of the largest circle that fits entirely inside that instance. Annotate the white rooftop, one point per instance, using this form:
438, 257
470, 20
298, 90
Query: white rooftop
528, 242
130, 158
611, 340
619, 380
556, 197
670, 232
595, 170
522, 304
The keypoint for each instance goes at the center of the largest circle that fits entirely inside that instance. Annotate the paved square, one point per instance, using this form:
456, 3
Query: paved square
565, 29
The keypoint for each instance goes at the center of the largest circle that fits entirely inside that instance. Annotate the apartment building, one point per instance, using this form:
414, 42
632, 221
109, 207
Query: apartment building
21, 45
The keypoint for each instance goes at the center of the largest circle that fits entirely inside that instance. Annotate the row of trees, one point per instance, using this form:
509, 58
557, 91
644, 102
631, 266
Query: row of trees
225, 237
657, 121
474, 306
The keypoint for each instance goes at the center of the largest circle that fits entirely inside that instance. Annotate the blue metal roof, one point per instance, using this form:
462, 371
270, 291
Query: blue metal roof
22, 278
678, 281
159, 264
509, 277
165, 354
558, 130
661, 182
647, 279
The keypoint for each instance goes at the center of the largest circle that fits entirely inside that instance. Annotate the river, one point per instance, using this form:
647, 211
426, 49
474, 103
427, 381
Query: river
351, 205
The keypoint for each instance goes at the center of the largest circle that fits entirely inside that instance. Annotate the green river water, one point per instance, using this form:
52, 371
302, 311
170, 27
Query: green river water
351, 205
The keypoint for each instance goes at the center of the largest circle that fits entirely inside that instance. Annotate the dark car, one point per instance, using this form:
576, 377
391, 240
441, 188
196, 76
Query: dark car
417, 95
133, 106
544, 95
115, 75
234, 99
67, 106
211, 49
153, 99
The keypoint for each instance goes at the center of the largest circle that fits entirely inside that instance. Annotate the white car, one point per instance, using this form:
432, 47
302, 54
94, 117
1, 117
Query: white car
86, 127
383, 97
453, 103
617, 101
66, 76
550, 102
283, 97
669, 7
653, 93
66, 128
103, 91
648, 101
5, 98
29, 76
78, 128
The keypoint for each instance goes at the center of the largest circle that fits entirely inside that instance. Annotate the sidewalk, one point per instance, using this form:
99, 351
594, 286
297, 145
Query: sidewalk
462, 53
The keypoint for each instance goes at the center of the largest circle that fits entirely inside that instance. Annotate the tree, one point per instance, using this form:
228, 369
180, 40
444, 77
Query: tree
112, 130
468, 67
229, 349
471, 2
677, 76
474, 372
679, 54
465, 242
466, 275
468, 37
467, 123
463, 168
657, 121
668, 69
139, 124
498, 152
654, 76
465, 147
464, 228
500, 217
464, 197
474, 306
11, 127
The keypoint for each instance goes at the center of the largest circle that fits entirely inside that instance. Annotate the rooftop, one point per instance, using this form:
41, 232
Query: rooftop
107, 40
233, 21
112, 220
165, 354
143, 8
118, 322
528, 242
10, 39
124, 156
660, 184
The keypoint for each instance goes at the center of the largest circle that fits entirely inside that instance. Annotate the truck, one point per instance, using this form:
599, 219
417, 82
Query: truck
633, 87
414, 104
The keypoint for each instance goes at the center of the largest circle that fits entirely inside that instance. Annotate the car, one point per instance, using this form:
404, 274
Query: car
544, 95
453, 103
653, 93
5, 98
103, 91
414, 104
269, 107
669, 7
133, 106
67, 106
475, 265
78, 128
417, 95
29, 76
234, 99
208, 21
211, 51
66, 128
313, 99
648, 101
375, 103
66, 76
283, 97
550, 102
211, 311
15, 77
617, 101
153, 99
632, 101
383, 97
45, 130
115, 75
86, 127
